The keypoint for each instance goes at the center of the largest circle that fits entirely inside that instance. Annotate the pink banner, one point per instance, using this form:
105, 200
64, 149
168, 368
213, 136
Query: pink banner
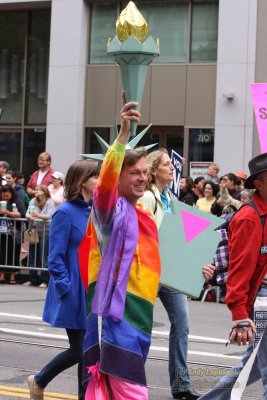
259, 95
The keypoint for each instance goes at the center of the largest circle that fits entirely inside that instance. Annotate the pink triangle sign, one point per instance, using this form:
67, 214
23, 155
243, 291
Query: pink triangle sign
193, 225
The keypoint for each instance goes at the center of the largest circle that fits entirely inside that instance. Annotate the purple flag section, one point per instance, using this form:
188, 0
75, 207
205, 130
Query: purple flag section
177, 163
193, 225
259, 95
109, 298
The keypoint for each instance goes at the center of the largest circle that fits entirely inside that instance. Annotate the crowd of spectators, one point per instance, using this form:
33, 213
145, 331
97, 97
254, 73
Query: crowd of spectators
36, 201
213, 194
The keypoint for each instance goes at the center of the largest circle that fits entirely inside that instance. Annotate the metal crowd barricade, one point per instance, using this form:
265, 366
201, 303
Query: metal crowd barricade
12, 241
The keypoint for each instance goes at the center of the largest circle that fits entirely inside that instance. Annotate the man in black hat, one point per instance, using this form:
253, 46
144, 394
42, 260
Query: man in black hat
247, 278
247, 255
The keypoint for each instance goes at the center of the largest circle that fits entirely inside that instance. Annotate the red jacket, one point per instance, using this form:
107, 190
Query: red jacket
47, 179
247, 266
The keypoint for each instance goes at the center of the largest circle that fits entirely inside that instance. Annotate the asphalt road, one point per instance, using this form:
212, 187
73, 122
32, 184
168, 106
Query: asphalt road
26, 344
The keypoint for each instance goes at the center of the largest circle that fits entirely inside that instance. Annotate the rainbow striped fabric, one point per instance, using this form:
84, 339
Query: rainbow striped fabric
124, 344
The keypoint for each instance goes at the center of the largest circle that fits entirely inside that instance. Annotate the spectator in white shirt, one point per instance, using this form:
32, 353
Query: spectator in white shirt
56, 188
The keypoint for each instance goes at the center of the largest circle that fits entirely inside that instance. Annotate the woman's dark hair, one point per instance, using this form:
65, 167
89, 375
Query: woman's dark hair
215, 187
188, 182
20, 175
78, 173
8, 188
13, 173
231, 177
198, 179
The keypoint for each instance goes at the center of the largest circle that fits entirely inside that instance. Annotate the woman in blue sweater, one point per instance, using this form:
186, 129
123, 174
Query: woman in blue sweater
65, 305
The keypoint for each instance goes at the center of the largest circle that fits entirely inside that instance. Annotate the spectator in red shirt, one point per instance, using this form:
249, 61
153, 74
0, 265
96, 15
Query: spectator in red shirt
43, 176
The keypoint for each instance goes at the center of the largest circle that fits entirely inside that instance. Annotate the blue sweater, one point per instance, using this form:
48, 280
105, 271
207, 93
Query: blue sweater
65, 305
20, 192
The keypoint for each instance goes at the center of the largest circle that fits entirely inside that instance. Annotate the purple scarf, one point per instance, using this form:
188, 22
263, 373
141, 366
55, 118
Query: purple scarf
110, 295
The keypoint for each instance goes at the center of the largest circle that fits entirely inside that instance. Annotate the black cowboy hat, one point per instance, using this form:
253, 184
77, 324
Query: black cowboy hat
256, 166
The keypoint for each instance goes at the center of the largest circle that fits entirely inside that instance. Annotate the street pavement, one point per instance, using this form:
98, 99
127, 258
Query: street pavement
26, 344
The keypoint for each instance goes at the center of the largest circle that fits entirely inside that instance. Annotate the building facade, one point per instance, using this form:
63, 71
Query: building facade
58, 86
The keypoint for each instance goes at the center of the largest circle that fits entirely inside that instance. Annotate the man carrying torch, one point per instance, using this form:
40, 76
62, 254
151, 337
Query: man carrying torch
123, 273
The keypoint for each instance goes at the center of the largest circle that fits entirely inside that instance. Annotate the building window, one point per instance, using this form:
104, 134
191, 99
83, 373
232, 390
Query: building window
173, 22
201, 144
37, 67
204, 31
103, 18
169, 137
33, 145
10, 144
91, 145
12, 62
168, 21
24, 54
15, 28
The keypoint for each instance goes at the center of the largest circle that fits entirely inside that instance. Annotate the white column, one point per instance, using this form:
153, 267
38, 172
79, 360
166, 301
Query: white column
235, 72
66, 86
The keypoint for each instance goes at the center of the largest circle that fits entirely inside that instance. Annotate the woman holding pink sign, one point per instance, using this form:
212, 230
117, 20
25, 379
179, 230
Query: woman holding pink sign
157, 198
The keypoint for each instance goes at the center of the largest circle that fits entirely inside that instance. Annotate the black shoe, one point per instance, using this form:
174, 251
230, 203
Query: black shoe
187, 395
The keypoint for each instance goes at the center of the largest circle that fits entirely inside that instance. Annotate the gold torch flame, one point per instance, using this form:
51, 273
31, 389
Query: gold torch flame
131, 23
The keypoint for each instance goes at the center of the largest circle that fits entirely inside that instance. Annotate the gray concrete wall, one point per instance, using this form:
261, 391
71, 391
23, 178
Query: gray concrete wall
67, 74
235, 72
